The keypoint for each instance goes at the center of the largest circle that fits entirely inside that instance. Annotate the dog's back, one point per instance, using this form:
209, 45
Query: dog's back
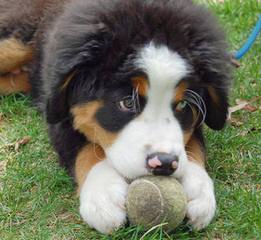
21, 18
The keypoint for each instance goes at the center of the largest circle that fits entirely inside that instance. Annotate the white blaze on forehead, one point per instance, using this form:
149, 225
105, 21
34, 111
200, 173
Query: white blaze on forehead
164, 69
163, 66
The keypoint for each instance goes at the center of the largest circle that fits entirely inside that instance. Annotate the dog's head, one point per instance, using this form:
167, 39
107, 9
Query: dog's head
137, 77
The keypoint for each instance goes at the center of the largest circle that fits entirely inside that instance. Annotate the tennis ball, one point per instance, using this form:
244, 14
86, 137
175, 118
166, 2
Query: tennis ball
153, 200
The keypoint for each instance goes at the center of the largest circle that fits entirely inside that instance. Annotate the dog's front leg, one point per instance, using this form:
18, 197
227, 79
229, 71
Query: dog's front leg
198, 187
102, 198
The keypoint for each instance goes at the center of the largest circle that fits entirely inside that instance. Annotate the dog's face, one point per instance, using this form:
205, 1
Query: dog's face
157, 129
139, 96
146, 115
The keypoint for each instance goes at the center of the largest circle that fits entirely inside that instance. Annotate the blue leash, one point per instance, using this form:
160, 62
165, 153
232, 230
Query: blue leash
250, 41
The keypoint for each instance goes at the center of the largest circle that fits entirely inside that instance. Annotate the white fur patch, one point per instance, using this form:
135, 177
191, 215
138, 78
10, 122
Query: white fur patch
200, 192
102, 198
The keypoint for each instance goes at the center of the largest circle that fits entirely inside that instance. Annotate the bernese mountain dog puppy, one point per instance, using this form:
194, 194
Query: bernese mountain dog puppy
125, 87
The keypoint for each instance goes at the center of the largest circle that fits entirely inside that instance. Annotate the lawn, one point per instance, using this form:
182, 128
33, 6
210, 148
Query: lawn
37, 198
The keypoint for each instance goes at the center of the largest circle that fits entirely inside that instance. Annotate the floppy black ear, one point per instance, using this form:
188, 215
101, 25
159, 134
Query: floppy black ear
69, 54
216, 100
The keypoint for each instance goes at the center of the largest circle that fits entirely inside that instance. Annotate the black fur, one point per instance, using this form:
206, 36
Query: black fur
67, 143
110, 116
186, 118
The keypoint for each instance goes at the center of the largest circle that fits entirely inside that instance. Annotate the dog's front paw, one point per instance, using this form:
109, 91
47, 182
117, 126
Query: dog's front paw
103, 209
102, 199
200, 193
200, 211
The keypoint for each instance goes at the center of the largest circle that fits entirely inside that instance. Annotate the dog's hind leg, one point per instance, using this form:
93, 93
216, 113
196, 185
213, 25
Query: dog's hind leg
14, 54
14, 82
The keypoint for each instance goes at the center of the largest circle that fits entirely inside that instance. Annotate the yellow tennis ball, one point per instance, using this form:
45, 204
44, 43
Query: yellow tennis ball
153, 200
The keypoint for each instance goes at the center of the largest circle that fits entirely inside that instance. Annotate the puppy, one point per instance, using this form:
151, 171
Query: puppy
125, 87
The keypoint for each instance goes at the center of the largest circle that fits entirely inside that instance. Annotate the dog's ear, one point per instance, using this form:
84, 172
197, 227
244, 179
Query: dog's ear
216, 100
71, 51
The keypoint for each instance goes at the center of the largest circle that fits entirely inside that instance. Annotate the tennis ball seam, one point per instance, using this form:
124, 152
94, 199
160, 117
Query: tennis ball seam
160, 194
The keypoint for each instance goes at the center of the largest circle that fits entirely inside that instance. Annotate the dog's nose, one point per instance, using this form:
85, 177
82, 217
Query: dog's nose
162, 163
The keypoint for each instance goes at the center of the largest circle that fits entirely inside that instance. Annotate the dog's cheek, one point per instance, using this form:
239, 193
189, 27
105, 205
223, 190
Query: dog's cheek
85, 122
128, 153
123, 149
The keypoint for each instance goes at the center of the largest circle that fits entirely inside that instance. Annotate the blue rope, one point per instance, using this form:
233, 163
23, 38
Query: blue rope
250, 41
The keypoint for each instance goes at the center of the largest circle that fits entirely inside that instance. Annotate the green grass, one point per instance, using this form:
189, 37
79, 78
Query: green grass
37, 198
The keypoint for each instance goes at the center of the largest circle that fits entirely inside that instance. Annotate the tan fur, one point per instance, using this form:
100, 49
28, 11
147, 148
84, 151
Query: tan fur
12, 83
187, 135
13, 54
85, 122
141, 84
195, 151
86, 159
180, 91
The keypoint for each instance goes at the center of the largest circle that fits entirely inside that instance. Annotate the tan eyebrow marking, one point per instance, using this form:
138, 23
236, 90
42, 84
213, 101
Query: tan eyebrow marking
141, 84
180, 91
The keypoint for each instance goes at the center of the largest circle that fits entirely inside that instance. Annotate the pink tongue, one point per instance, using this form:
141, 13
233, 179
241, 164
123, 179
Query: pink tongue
154, 162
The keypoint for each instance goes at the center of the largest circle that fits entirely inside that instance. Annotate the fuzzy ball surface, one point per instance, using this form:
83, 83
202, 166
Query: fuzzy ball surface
153, 200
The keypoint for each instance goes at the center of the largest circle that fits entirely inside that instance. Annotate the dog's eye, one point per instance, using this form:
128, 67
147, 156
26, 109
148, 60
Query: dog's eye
127, 105
181, 106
